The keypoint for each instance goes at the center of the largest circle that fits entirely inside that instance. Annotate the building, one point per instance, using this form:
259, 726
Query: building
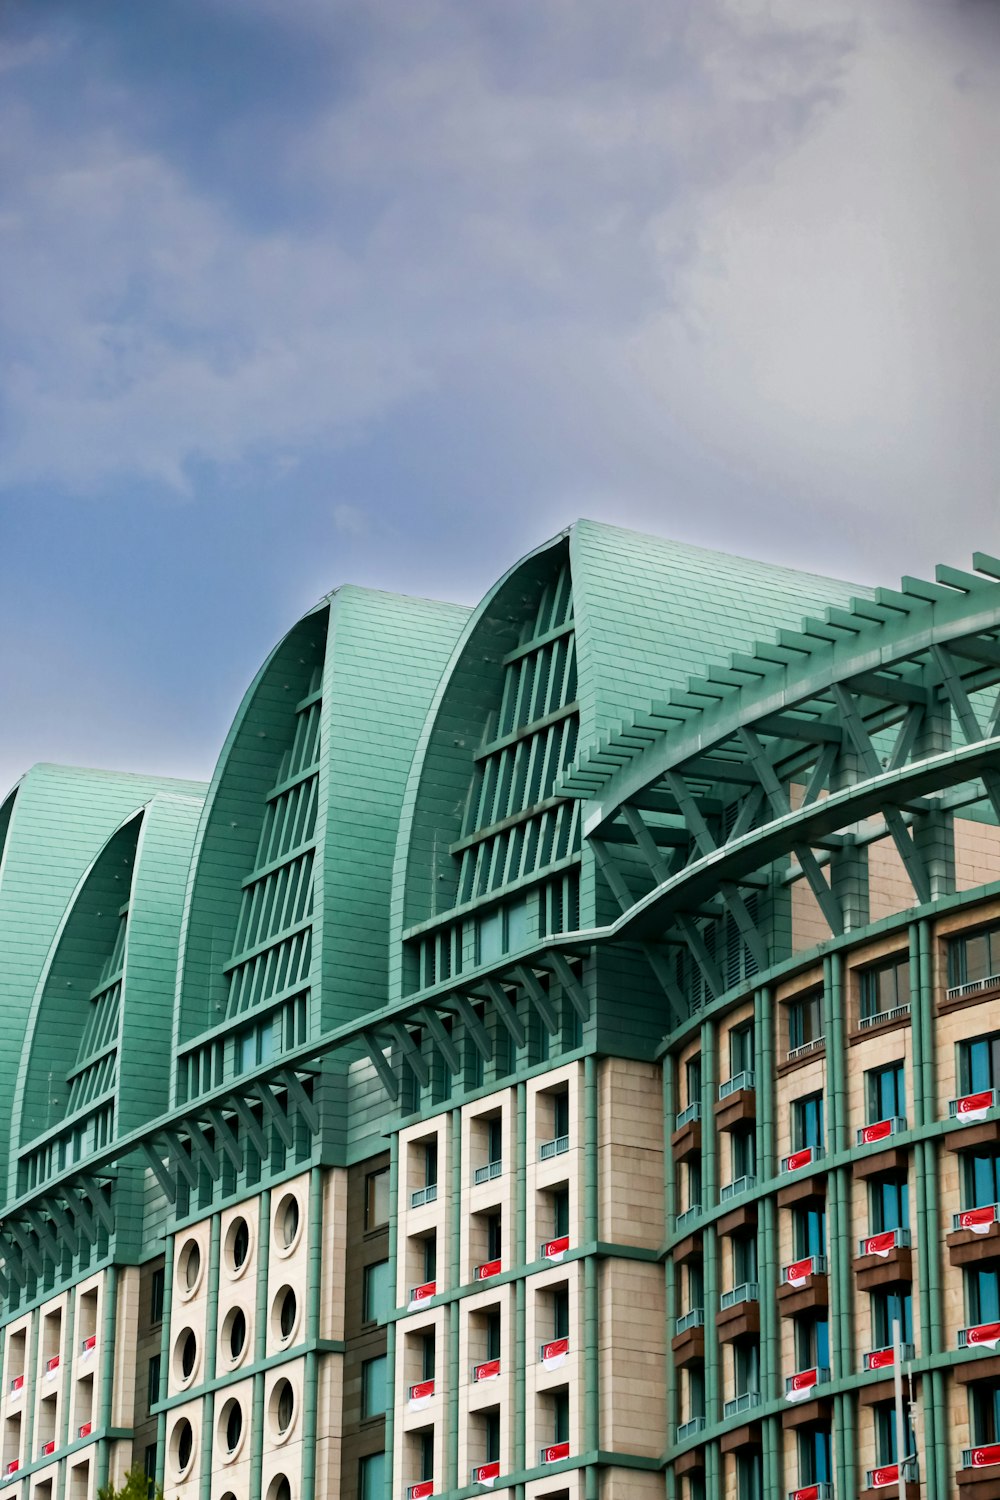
551, 1056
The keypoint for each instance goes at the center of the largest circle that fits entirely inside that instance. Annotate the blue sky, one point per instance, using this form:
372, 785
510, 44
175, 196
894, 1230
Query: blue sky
386, 292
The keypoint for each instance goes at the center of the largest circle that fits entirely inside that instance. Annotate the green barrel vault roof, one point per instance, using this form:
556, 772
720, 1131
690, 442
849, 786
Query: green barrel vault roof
58, 819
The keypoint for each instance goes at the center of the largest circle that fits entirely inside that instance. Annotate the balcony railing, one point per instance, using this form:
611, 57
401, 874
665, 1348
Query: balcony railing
822, 1490
745, 1080
747, 1291
806, 1047
556, 1147
982, 1457
737, 1186
979, 1336
804, 1381
804, 1157
884, 1359
881, 1130
891, 1474
880, 1017
973, 987
746, 1402
492, 1170
688, 1216
693, 1319
798, 1270
973, 1106
689, 1429
885, 1240
424, 1195
977, 1219
693, 1112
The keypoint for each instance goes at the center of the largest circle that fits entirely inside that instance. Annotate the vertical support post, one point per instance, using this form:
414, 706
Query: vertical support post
591, 1316
260, 1343
390, 1338
454, 1308
211, 1333
314, 1288
107, 1370
161, 1420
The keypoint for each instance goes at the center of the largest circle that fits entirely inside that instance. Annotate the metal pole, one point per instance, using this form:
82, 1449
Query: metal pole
897, 1386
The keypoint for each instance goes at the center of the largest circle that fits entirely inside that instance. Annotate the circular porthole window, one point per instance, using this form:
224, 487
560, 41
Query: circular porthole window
279, 1488
281, 1409
231, 1428
284, 1315
185, 1356
189, 1269
182, 1447
237, 1247
234, 1334
287, 1223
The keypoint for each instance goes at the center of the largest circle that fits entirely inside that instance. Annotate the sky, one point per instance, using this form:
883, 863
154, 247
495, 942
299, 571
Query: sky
387, 292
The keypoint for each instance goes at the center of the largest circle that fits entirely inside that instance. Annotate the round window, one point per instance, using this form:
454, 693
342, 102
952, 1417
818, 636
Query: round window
284, 1314
237, 1245
234, 1332
279, 1488
281, 1408
231, 1425
185, 1356
286, 1222
189, 1268
182, 1446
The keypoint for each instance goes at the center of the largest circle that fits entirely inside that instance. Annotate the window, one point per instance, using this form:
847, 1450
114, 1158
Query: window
982, 1290
812, 1343
431, 1164
973, 957
560, 1312
156, 1284
744, 1260
693, 1176
560, 1416
885, 1092
885, 987
979, 1063
560, 1212
491, 1434
815, 1456
807, 1122
374, 1384
696, 1391
695, 1277
153, 1383
747, 1353
692, 1079
560, 1113
493, 1333
494, 1236
805, 1020
428, 1355
377, 1199
888, 1308
149, 1462
985, 1411
426, 1440
809, 1232
430, 1256
494, 1140
749, 1476
375, 1295
254, 1046
885, 1434
371, 1477
889, 1206
981, 1180
744, 1149
504, 930
741, 1049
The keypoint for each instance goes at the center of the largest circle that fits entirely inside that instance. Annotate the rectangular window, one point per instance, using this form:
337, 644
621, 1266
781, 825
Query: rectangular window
982, 1290
692, 1079
979, 1064
696, 1391
491, 1423
374, 1381
744, 1260
430, 1256
494, 1141
815, 1456
428, 1355
149, 1462
744, 1153
153, 1383
375, 1294
371, 1477
888, 1308
494, 1236
693, 1174
885, 987
560, 1113
974, 956
427, 1453
812, 1343
807, 1122
377, 1199
985, 1411
981, 1180
747, 1353
885, 1092
886, 1450
560, 1416
805, 1020
809, 1232
493, 1334
560, 1312
156, 1285
431, 1164
695, 1276
741, 1059
889, 1204
560, 1212
749, 1476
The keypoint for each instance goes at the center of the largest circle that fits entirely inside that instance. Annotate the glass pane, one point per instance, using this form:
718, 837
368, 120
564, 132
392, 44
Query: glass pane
377, 1199
374, 1380
376, 1292
371, 1478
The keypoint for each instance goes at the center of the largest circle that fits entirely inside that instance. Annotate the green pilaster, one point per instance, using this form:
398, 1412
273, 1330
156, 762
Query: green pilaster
211, 1339
519, 1256
454, 1308
390, 1419
107, 1370
260, 1342
314, 1292
168, 1293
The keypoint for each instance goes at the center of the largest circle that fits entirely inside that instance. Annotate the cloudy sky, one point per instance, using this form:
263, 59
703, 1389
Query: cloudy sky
297, 292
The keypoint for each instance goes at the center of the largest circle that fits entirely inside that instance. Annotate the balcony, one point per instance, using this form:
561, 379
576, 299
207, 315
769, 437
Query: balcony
554, 1453
818, 1044
686, 1139
974, 987
737, 1103
884, 1359
489, 1173
821, 1491
486, 1473
690, 1429
975, 1235
558, 1146
422, 1490
421, 1294
739, 1313
979, 1476
888, 1477
804, 1158
689, 1216
688, 1116
801, 1385
884, 1017
881, 1130
884, 1260
554, 1353
979, 1336
739, 1185
423, 1391
688, 1342
977, 1114
804, 1287
424, 1195
554, 1250
746, 1402
488, 1370
747, 1291
971, 1107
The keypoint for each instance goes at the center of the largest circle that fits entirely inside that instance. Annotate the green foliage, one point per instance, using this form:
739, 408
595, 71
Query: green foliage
136, 1487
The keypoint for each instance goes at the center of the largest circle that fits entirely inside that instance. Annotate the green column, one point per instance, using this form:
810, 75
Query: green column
107, 1370
390, 1423
591, 1315
519, 1257
453, 1312
211, 1333
260, 1342
161, 1420
313, 1293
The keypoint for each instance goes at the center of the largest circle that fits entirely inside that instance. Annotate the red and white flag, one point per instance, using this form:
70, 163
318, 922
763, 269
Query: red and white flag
974, 1107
